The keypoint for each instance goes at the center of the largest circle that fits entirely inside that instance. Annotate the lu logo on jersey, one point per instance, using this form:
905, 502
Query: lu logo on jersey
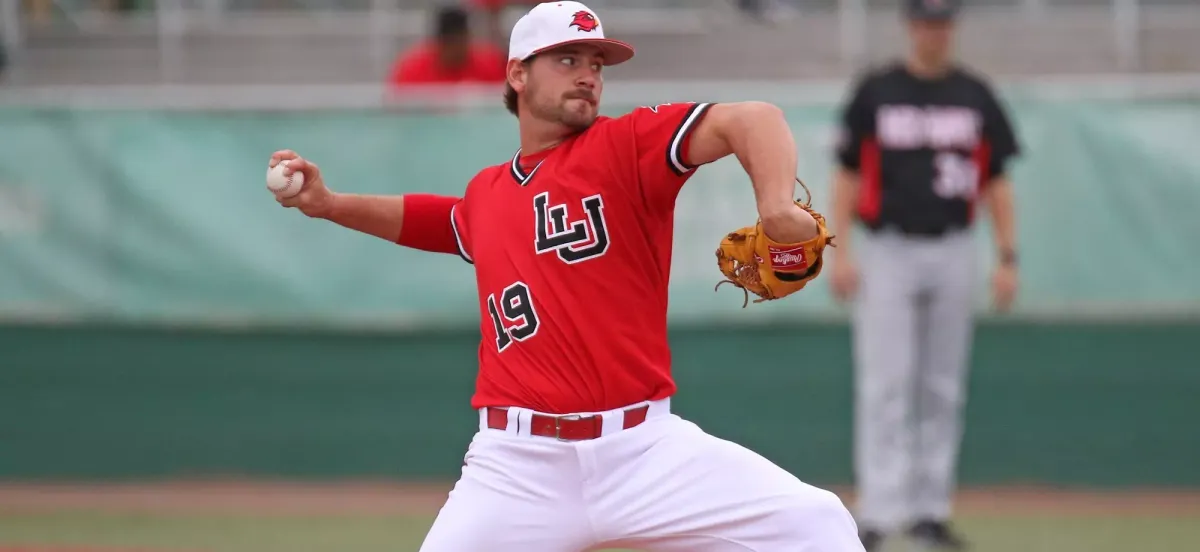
514, 314
584, 239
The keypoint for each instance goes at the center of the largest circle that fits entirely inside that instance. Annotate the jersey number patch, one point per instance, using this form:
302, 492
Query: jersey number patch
584, 239
513, 315
955, 176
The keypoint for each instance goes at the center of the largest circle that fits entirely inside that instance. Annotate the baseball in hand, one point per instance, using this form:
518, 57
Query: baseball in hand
284, 186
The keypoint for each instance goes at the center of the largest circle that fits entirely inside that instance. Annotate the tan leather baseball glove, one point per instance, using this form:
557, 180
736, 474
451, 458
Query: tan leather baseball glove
769, 269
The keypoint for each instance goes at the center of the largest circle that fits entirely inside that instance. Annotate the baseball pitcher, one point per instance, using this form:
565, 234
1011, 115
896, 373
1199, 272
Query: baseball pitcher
570, 240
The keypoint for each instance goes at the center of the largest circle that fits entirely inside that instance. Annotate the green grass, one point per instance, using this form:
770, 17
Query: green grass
401, 534
216, 533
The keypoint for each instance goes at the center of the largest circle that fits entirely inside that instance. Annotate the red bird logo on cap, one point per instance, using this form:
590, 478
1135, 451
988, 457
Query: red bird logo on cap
585, 21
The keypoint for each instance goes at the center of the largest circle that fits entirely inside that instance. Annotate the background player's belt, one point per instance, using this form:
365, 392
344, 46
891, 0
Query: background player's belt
916, 230
573, 427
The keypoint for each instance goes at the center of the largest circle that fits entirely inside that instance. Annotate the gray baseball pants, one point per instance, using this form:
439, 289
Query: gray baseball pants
912, 332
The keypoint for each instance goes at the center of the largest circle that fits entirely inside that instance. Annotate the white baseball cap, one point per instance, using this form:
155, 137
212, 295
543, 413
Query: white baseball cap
552, 24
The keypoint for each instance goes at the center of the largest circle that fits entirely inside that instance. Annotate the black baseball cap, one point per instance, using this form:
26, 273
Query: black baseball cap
932, 10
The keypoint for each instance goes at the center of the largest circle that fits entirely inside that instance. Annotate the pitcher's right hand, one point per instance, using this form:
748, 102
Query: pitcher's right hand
315, 199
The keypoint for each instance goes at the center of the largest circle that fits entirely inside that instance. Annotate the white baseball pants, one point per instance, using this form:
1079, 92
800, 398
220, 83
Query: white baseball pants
662, 486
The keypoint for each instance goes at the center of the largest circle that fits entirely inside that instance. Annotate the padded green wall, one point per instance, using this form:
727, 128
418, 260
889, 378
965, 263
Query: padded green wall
1099, 405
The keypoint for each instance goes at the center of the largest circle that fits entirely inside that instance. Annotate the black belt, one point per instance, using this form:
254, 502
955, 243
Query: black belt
916, 230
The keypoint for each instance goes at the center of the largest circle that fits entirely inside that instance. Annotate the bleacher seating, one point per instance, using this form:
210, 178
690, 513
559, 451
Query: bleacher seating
703, 39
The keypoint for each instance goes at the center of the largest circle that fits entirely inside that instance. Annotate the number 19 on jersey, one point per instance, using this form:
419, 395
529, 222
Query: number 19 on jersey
513, 315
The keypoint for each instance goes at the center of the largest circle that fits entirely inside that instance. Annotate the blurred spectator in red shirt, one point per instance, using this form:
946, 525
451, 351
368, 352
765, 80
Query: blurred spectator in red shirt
450, 56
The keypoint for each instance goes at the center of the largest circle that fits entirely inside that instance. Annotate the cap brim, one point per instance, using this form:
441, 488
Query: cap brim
615, 52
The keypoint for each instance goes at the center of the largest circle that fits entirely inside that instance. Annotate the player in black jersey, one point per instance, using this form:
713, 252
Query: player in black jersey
924, 142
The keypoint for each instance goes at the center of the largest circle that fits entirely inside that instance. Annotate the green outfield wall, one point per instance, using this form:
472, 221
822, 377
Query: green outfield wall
1096, 405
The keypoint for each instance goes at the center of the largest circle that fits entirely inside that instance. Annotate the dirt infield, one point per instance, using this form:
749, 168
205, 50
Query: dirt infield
391, 498
83, 549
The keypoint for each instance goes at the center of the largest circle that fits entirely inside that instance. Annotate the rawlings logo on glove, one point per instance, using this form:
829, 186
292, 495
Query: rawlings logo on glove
787, 260
792, 265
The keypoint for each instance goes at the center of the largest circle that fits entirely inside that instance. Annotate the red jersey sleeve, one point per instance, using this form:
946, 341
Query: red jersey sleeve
437, 224
663, 134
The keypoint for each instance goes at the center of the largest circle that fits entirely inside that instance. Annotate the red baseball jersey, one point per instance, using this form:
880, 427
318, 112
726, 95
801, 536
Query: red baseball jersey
572, 254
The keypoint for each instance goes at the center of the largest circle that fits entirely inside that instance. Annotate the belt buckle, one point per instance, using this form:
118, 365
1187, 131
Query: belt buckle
558, 425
